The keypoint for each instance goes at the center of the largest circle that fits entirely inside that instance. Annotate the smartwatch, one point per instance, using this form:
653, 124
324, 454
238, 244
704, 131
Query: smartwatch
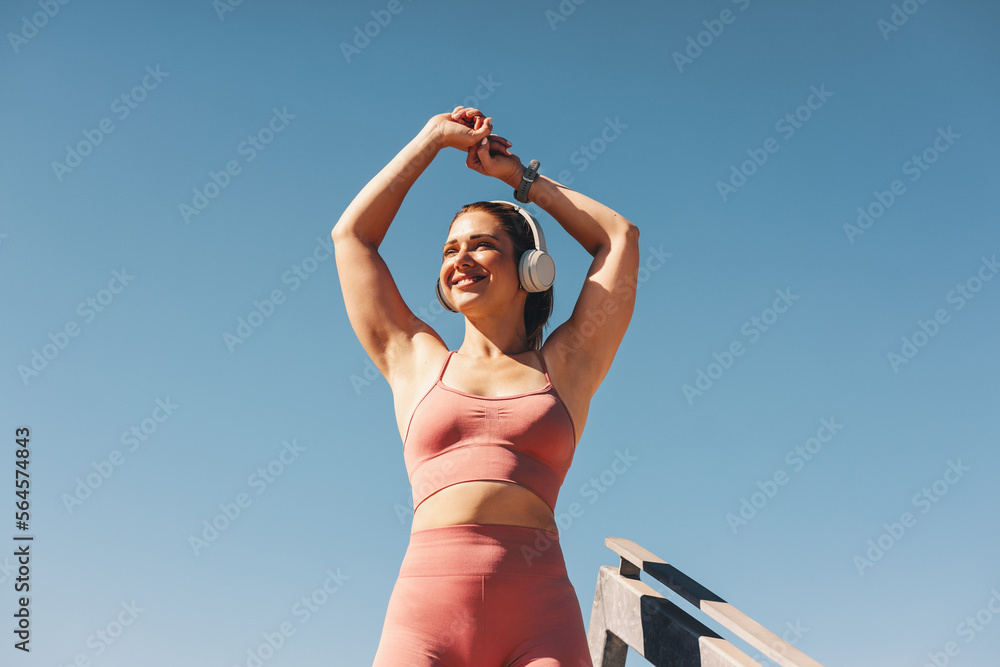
527, 178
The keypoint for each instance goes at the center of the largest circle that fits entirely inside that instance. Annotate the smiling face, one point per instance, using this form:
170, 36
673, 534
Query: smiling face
479, 266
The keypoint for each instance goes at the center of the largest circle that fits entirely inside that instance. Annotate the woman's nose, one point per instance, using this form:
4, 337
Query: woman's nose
462, 257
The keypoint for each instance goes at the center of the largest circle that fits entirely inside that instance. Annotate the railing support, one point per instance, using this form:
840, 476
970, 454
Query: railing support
628, 612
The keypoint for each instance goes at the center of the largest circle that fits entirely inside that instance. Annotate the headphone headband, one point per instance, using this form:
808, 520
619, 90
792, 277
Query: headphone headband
536, 229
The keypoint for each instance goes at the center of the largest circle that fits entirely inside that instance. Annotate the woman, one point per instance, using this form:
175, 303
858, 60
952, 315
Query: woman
490, 429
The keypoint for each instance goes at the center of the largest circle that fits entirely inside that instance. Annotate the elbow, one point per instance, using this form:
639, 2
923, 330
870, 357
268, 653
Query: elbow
622, 235
626, 233
623, 228
631, 232
339, 232
350, 229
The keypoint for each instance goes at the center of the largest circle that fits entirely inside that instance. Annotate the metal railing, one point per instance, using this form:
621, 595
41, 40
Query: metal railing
628, 612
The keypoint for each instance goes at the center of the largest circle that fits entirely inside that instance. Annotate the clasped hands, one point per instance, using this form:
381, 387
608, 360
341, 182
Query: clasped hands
470, 130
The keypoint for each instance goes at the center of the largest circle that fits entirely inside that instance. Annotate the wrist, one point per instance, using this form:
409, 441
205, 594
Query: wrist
514, 178
430, 137
523, 188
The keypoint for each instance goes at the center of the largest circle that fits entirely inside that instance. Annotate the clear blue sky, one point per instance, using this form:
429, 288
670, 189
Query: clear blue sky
168, 169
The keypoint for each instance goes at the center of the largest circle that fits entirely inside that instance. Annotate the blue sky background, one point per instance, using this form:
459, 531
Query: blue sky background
341, 505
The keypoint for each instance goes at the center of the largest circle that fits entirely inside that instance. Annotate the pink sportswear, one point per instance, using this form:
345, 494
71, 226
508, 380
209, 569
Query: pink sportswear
454, 437
474, 595
483, 596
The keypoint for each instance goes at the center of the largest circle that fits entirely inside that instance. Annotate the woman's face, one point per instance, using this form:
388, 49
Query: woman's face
478, 268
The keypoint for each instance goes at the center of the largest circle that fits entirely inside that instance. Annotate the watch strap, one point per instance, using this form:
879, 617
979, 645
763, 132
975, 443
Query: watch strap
527, 178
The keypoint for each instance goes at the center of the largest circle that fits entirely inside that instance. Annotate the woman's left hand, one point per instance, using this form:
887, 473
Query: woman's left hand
492, 157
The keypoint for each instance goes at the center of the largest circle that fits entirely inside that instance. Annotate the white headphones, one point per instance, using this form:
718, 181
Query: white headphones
536, 271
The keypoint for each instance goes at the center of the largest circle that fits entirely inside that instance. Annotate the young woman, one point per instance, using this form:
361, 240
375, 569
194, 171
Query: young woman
489, 431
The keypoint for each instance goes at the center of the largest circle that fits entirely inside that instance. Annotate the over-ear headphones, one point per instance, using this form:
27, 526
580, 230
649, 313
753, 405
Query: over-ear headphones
536, 271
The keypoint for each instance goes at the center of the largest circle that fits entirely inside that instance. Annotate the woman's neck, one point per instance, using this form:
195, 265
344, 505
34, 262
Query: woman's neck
498, 340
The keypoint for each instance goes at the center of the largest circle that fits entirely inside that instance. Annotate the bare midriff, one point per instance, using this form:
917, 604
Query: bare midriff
484, 502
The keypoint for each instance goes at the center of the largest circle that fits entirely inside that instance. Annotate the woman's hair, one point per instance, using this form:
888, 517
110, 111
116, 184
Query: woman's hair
538, 306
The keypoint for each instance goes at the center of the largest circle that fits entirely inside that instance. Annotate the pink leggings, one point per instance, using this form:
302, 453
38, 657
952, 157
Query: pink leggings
483, 596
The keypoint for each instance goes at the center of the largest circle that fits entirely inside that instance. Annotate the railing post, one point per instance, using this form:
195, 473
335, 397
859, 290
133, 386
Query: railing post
606, 649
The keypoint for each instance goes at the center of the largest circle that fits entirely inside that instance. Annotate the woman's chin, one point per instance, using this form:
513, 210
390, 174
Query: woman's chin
469, 302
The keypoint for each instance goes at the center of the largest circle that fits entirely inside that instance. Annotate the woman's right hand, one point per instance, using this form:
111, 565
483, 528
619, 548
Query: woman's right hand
462, 128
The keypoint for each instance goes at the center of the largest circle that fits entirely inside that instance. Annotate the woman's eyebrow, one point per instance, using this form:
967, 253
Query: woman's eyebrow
474, 236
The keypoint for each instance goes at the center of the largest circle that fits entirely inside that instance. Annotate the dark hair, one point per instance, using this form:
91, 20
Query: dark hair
538, 306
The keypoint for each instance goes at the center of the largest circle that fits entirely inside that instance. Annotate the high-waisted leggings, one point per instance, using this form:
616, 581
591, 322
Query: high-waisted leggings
476, 595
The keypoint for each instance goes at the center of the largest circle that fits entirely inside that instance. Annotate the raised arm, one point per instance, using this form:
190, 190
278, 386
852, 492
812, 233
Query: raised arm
381, 319
582, 348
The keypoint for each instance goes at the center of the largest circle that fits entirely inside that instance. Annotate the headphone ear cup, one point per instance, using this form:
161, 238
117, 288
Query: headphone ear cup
536, 270
442, 298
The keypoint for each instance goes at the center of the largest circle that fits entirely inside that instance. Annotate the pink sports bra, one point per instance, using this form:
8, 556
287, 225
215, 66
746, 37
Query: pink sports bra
454, 437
